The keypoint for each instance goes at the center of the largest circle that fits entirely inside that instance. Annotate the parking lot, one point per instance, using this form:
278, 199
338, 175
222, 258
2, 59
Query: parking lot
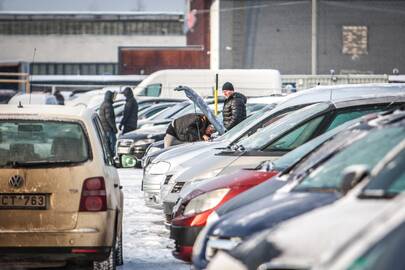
145, 237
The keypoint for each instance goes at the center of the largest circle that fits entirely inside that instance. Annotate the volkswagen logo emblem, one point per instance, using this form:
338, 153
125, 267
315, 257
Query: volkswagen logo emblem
16, 181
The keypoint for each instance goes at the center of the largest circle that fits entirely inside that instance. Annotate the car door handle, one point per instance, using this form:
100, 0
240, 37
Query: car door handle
116, 185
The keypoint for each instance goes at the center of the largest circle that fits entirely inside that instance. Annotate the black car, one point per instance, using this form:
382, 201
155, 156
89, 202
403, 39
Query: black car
299, 195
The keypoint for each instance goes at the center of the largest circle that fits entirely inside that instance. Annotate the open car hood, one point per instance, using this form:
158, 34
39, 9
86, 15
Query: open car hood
200, 103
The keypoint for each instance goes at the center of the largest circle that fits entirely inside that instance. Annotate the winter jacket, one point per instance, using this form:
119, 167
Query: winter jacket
234, 110
185, 127
130, 116
107, 115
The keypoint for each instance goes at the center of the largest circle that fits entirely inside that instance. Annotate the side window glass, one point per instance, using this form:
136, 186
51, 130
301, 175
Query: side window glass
345, 116
296, 137
153, 90
102, 139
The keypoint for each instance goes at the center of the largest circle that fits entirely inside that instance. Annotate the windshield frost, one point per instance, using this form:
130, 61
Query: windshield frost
24, 141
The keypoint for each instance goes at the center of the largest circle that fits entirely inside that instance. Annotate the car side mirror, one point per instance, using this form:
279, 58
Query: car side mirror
128, 161
266, 166
353, 175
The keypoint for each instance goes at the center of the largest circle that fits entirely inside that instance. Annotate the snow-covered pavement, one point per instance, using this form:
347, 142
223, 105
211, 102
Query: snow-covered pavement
145, 238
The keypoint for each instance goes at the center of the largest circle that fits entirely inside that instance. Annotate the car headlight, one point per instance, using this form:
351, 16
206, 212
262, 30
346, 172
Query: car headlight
125, 142
159, 168
205, 201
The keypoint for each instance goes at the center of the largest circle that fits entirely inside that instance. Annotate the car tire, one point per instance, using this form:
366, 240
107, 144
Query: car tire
119, 255
109, 263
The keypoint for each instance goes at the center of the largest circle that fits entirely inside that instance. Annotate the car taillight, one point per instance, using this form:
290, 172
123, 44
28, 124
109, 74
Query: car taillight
94, 197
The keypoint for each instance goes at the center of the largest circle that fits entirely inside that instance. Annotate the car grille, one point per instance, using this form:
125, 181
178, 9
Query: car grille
177, 187
168, 177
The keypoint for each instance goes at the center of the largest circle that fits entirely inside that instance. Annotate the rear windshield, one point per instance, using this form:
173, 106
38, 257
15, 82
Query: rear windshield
25, 142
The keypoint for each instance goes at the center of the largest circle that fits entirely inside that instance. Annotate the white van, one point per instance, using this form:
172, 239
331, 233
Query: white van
250, 82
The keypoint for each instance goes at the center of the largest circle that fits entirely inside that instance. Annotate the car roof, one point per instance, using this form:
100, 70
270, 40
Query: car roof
45, 112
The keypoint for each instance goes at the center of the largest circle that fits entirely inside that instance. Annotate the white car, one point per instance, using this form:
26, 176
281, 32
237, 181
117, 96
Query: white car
34, 98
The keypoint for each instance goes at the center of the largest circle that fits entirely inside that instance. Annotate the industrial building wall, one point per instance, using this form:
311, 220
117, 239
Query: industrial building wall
77, 49
353, 36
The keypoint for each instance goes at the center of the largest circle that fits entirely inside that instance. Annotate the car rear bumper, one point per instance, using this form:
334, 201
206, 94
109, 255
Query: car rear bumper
91, 230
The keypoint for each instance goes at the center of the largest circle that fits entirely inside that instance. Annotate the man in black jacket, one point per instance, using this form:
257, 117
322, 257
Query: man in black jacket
188, 128
234, 110
107, 118
129, 120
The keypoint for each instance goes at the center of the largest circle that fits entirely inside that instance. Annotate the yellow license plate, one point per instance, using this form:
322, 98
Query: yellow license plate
23, 201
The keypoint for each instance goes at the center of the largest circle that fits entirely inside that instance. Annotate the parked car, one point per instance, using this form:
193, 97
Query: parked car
377, 246
193, 208
136, 142
5, 95
170, 162
60, 195
333, 178
34, 98
275, 140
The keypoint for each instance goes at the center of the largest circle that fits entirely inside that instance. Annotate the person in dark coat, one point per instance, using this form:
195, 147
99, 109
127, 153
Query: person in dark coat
59, 97
234, 110
107, 118
129, 120
188, 128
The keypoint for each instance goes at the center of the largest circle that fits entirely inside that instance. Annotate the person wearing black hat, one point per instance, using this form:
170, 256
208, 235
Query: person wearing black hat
234, 110
129, 120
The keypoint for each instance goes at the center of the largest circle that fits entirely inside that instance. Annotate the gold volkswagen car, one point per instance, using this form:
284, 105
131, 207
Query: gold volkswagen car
61, 202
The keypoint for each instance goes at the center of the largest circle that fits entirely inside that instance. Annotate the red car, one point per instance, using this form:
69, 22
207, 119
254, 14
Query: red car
191, 216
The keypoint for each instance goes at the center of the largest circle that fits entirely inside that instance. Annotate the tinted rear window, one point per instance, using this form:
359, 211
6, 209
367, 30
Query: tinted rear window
23, 141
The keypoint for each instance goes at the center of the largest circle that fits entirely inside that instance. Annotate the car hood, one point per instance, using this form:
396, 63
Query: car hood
181, 155
301, 241
145, 133
269, 211
205, 165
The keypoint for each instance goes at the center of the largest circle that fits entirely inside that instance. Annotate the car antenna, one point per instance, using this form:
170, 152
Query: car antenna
20, 105
29, 76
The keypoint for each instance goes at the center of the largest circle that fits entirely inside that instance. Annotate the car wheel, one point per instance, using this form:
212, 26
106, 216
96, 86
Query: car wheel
119, 255
109, 263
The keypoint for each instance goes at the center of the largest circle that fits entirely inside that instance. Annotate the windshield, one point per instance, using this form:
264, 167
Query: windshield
391, 180
262, 137
27, 142
367, 151
294, 156
169, 112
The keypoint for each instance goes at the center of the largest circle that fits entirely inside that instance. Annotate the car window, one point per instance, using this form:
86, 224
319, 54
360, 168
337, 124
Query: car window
391, 179
41, 141
108, 157
344, 116
296, 137
294, 156
153, 90
385, 254
366, 151
261, 138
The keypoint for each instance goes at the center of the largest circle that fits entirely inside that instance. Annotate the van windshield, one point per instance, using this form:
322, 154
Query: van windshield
30, 143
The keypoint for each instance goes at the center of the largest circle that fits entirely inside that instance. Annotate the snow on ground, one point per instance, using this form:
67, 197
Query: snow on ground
146, 240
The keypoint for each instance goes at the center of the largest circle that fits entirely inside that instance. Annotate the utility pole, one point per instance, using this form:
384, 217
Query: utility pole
314, 38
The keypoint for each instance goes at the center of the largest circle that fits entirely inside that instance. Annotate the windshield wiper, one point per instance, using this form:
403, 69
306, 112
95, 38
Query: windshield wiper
316, 189
377, 194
